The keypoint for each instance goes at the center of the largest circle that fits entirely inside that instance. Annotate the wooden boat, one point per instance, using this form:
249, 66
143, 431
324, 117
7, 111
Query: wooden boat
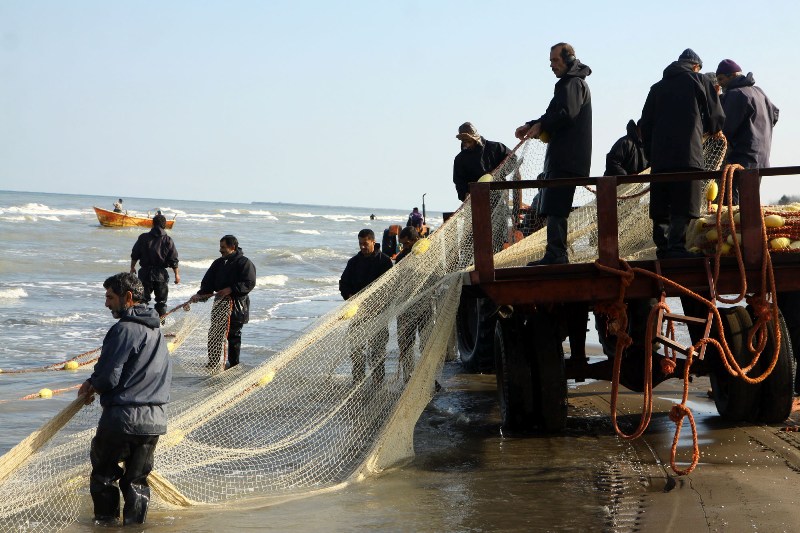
124, 220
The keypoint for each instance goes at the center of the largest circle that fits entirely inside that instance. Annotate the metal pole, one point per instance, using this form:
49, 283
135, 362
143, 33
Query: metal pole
423, 208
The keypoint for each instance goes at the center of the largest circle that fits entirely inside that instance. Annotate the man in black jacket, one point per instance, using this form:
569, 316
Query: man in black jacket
133, 377
476, 158
679, 110
627, 155
568, 124
361, 270
230, 279
749, 119
156, 251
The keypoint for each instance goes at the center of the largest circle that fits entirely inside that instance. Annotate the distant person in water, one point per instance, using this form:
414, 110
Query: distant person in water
362, 269
156, 251
118, 206
232, 275
372, 216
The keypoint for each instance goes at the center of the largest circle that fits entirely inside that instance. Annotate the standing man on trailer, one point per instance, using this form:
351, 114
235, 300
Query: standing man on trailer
680, 108
568, 124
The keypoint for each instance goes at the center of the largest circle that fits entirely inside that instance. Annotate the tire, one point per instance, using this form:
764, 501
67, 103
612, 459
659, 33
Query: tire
548, 373
777, 391
789, 304
513, 372
475, 329
735, 399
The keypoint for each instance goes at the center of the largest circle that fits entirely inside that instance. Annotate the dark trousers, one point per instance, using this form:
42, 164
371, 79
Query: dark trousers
408, 325
556, 204
152, 279
220, 321
360, 340
556, 236
672, 206
135, 452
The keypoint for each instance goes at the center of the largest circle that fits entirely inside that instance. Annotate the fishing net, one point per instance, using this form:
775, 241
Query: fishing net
308, 419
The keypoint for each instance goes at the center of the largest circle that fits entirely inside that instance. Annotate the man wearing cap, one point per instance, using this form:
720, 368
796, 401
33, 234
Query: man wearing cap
679, 110
477, 157
568, 123
749, 118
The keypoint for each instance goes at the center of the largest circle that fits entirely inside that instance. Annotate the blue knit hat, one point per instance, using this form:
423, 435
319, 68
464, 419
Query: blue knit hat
689, 56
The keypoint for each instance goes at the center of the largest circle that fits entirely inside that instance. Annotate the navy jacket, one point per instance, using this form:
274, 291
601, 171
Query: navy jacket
237, 272
361, 270
749, 118
133, 374
627, 155
469, 165
568, 121
679, 109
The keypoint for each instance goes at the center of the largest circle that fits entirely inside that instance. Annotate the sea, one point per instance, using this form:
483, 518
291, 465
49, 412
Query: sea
465, 476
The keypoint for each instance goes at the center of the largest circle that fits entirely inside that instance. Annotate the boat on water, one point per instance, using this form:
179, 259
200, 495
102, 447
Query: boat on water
112, 219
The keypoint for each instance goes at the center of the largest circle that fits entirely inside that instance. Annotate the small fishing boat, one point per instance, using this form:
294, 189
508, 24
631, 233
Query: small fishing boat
123, 220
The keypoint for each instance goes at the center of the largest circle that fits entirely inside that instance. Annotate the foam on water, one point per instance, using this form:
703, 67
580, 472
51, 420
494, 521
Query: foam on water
12, 294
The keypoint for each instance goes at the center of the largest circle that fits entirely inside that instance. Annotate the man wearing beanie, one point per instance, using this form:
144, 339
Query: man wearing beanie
679, 109
749, 118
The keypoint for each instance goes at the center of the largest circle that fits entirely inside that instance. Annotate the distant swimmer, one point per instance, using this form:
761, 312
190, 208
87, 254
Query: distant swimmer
362, 269
372, 216
118, 206
156, 251
133, 377
232, 275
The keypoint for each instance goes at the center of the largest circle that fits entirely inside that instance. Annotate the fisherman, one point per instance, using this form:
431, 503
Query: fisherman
133, 377
568, 124
627, 155
415, 218
412, 321
679, 110
229, 279
156, 251
749, 119
118, 206
361, 270
477, 157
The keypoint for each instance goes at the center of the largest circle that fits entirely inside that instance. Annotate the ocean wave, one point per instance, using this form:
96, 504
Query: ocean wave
12, 294
307, 231
57, 319
205, 263
41, 210
344, 218
277, 279
302, 215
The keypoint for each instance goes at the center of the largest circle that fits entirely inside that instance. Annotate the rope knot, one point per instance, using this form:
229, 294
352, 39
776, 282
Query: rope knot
761, 307
668, 366
677, 412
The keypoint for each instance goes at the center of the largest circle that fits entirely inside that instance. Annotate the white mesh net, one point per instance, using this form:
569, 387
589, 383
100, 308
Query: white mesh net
304, 421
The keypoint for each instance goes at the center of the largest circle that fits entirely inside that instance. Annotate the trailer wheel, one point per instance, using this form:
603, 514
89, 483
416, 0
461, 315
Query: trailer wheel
735, 399
777, 392
475, 330
513, 372
549, 376
789, 304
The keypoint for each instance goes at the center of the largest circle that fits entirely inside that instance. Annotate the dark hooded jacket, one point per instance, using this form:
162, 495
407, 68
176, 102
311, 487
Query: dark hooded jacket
568, 121
679, 109
133, 374
627, 155
237, 272
361, 270
470, 164
155, 250
749, 118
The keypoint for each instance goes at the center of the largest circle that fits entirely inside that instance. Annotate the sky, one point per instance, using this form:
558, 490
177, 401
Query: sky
352, 103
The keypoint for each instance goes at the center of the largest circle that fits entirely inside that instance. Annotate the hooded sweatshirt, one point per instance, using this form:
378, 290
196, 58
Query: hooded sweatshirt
627, 155
749, 118
237, 272
679, 109
133, 374
568, 121
472, 163
361, 270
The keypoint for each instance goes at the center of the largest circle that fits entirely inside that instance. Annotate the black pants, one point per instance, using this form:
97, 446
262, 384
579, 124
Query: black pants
408, 325
216, 334
556, 204
672, 206
360, 339
153, 280
135, 452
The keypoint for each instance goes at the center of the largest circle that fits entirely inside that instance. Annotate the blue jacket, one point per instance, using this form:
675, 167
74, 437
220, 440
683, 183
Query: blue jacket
133, 374
749, 118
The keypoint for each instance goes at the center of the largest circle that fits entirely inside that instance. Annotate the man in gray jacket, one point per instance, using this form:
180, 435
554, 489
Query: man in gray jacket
749, 118
132, 377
